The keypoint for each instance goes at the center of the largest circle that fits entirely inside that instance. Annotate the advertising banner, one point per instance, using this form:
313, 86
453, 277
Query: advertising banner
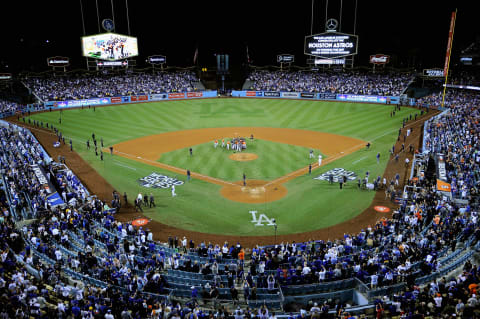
42, 178
362, 98
443, 186
379, 59
285, 58
433, 73
251, 93
58, 61
441, 168
112, 63
327, 96
157, 59
176, 95
290, 95
157, 97
85, 102
271, 94
128, 99
329, 61
307, 95
194, 94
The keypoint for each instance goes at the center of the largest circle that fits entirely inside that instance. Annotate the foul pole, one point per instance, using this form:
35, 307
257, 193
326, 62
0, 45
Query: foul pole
449, 53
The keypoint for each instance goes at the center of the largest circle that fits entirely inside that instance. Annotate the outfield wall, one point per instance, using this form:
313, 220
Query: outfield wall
319, 96
131, 99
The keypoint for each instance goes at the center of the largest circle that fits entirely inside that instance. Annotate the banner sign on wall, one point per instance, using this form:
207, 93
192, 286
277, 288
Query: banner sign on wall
362, 98
271, 94
290, 94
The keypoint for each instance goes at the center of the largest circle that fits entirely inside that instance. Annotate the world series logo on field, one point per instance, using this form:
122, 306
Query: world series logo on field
337, 173
156, 180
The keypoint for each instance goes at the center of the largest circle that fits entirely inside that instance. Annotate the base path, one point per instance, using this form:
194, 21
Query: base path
149, 150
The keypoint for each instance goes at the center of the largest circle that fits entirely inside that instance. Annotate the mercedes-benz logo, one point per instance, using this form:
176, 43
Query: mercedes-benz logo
331, 24
108, 25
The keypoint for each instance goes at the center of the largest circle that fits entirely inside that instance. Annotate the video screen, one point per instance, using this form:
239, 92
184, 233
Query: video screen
109, 46
331, 45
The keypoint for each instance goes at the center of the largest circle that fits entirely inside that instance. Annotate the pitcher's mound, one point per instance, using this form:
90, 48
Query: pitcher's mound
256, 192
243, 157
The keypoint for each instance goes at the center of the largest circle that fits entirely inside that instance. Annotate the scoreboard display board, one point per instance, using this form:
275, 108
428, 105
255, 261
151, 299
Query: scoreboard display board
331, 45
433, 73
109, 46
58, 61
285, 58
157, 59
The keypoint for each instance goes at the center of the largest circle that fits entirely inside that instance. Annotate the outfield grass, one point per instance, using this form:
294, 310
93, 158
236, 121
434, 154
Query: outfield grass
309, 205
274, 160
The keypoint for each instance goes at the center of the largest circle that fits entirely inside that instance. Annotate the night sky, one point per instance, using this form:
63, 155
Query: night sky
414, 33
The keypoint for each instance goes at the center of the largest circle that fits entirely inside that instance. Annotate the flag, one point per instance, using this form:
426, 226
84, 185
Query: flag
195, 56
248, 56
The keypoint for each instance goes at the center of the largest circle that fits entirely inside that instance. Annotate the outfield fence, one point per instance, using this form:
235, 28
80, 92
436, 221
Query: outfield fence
324, 96
101, 101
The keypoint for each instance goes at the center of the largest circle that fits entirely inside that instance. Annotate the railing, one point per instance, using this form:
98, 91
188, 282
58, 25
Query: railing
361, 286
282, 297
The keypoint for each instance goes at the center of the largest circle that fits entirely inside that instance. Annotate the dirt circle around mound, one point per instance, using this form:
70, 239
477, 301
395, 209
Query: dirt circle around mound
243, 157
255, 192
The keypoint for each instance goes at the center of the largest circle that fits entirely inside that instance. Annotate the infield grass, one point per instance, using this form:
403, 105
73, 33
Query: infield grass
310, 204
274, 160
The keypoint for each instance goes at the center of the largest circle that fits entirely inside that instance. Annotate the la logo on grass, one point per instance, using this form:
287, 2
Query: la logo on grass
261, 219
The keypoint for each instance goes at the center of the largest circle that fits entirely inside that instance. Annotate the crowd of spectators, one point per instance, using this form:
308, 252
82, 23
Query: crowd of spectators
77, 260
9, 108
345, 82
73, 87
407, 246
453, 98
455, 135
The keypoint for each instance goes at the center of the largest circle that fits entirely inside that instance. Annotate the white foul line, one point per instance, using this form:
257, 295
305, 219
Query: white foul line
158, 164
126, 166
360, 159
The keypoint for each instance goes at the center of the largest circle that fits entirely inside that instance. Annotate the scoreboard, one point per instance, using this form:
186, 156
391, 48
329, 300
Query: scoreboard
109, 46
331, 45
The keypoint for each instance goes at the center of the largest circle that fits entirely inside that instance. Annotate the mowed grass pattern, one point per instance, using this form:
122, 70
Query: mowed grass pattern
274, 160
309, 204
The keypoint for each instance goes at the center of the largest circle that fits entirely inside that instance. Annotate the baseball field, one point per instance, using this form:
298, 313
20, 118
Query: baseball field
151, 152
